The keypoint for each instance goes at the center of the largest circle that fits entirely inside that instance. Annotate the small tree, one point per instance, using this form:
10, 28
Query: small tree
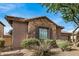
69, 12
41, 47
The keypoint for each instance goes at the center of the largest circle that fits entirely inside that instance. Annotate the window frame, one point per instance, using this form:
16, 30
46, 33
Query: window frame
48, 32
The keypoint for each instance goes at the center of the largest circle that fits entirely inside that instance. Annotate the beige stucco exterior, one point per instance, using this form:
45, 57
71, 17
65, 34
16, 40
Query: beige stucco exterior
19, 33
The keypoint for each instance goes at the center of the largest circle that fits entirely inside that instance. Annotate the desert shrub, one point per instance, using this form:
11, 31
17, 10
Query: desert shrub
45, 47
2, 43
53, 43
30, 43
63, 44
42, 47
48, 43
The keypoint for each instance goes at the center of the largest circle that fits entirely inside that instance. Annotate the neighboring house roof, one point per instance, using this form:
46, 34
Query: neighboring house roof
2, 23
66, 33
6, 36
10, 19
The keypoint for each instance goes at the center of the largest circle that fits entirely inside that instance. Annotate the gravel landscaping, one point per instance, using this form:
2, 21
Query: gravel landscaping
26, 52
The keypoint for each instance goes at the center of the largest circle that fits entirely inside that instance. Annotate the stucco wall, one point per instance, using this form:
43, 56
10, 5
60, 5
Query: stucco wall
58, 32
66, 36
32, 26
1, 30
8, 40
19, 33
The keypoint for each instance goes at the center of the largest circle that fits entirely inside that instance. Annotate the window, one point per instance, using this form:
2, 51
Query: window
43, 33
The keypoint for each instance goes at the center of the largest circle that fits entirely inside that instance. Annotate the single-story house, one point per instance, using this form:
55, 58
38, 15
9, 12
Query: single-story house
39, 27
1, 29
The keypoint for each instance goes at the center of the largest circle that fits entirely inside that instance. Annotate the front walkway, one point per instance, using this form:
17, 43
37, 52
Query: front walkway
21, 52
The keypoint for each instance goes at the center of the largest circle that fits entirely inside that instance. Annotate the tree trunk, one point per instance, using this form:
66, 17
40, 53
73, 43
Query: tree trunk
74, 40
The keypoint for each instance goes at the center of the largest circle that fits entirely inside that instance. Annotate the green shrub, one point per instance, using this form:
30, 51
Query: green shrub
50, 42
63, 44
53, 43
2, 42
45, 47
42, 47
30, 43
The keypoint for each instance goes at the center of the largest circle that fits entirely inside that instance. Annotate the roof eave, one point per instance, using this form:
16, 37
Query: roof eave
10, 19
55, 23
2, 23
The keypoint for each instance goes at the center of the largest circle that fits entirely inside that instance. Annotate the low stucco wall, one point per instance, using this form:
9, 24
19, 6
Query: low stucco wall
8, 41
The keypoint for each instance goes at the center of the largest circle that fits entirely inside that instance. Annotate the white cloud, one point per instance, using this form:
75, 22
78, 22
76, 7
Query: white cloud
69, 31
10, 6
7, 7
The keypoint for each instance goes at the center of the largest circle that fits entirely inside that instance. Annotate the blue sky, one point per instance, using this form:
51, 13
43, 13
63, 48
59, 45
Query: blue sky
30, 10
